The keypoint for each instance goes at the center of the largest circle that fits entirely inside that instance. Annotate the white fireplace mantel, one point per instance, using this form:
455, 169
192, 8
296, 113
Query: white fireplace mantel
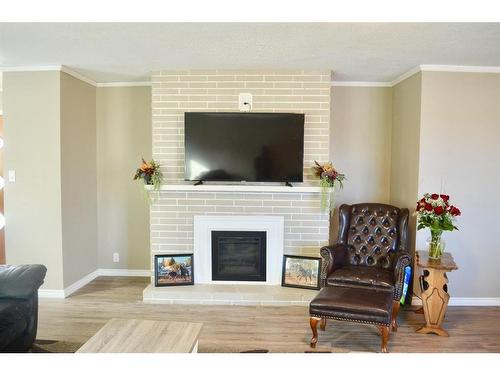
240, 188
205, 224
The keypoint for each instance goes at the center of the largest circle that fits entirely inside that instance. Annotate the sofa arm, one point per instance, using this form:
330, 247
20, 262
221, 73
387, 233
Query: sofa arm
400, 261
21, 281
334, 257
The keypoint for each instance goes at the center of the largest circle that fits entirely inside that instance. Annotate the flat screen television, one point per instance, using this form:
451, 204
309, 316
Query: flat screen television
254, 147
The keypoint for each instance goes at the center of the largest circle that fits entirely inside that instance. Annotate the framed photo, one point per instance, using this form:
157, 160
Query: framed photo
301, 272
174, 269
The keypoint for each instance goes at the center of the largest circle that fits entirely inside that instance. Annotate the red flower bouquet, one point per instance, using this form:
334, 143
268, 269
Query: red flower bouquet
435, 212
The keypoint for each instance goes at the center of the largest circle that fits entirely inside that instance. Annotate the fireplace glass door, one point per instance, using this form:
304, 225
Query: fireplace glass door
238, 256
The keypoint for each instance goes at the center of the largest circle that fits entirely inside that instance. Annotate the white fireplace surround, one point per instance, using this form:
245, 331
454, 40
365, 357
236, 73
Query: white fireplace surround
205, 224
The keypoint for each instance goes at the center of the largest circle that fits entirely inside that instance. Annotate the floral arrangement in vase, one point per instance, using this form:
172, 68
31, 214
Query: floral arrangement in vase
435, 212
150, 174
330, 180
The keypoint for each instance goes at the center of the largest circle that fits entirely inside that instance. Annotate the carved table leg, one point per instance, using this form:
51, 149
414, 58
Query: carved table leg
313, 321
384, 331
435, 301
323, 324
395, 312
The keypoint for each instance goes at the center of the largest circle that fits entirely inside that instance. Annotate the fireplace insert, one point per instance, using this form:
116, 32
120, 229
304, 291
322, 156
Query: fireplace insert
238, 256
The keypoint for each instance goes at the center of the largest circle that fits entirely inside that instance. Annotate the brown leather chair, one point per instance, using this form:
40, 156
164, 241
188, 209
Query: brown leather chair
371, 251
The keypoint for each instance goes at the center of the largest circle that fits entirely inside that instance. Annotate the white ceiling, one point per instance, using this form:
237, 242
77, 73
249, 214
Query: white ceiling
119, 52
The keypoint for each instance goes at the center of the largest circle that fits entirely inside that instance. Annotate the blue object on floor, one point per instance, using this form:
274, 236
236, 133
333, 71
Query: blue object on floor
405, 284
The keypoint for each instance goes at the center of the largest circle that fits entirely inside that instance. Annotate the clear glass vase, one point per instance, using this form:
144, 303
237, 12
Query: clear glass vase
436, 244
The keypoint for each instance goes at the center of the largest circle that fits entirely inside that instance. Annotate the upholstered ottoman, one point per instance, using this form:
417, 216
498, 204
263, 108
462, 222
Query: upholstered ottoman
357, 305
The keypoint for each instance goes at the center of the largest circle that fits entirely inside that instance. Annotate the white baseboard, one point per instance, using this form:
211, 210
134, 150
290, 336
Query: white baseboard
465, 301
51, 293
66, 292
122, 272
80, 283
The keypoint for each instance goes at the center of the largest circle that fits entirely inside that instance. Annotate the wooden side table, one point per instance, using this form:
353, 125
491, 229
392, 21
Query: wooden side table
434, 290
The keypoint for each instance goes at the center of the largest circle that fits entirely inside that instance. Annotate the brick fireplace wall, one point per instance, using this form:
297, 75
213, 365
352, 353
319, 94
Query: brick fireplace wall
306, 228
175, 92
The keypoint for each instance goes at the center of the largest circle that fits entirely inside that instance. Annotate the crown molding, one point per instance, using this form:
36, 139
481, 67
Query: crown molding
43, 68
405, 75
459, 68
124, 84
77, 75
49, 68
445, 68
71, 72
402, 77
359, 84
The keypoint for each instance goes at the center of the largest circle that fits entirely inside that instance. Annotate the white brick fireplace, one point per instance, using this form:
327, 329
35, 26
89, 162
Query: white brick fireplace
179, 205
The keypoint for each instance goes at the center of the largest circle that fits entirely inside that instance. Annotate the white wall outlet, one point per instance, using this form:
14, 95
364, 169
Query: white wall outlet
116, 257
12, 176
245, 102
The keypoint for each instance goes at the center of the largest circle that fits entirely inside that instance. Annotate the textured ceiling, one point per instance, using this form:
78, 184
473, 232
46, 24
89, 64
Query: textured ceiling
114, 52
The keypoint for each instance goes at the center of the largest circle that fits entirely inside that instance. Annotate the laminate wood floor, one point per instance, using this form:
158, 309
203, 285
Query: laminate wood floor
242, 328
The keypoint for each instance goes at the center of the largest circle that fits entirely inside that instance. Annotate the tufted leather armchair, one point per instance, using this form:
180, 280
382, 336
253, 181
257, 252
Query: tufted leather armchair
371, 251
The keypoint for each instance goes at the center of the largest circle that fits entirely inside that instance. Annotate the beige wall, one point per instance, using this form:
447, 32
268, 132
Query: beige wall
1, 96
123, 137
50, 142
405, 147
32, 149
361, 123
445, 132
53, 143
460, 154
360, 144
78, 167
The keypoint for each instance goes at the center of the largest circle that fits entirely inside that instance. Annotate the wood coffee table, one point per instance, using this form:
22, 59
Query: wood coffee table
144, 336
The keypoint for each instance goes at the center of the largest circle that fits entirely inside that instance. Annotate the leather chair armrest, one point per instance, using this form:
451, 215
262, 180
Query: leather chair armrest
400, 261
334, 257
21, 281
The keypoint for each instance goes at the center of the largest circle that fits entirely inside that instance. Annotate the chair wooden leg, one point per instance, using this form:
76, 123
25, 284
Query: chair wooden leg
384, 331
395, 311
323, 324
313, 321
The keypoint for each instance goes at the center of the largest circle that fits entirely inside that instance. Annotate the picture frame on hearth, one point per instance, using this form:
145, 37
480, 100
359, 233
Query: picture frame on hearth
301, 272
174, 269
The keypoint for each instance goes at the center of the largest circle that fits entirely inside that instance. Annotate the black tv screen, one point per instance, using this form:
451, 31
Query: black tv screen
232, 146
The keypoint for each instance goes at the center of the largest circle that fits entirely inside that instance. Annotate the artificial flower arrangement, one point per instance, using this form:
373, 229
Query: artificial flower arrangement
330, 180
150, 174
435, 212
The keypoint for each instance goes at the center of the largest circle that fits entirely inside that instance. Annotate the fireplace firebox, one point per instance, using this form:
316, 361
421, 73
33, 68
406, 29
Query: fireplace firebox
238, 256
